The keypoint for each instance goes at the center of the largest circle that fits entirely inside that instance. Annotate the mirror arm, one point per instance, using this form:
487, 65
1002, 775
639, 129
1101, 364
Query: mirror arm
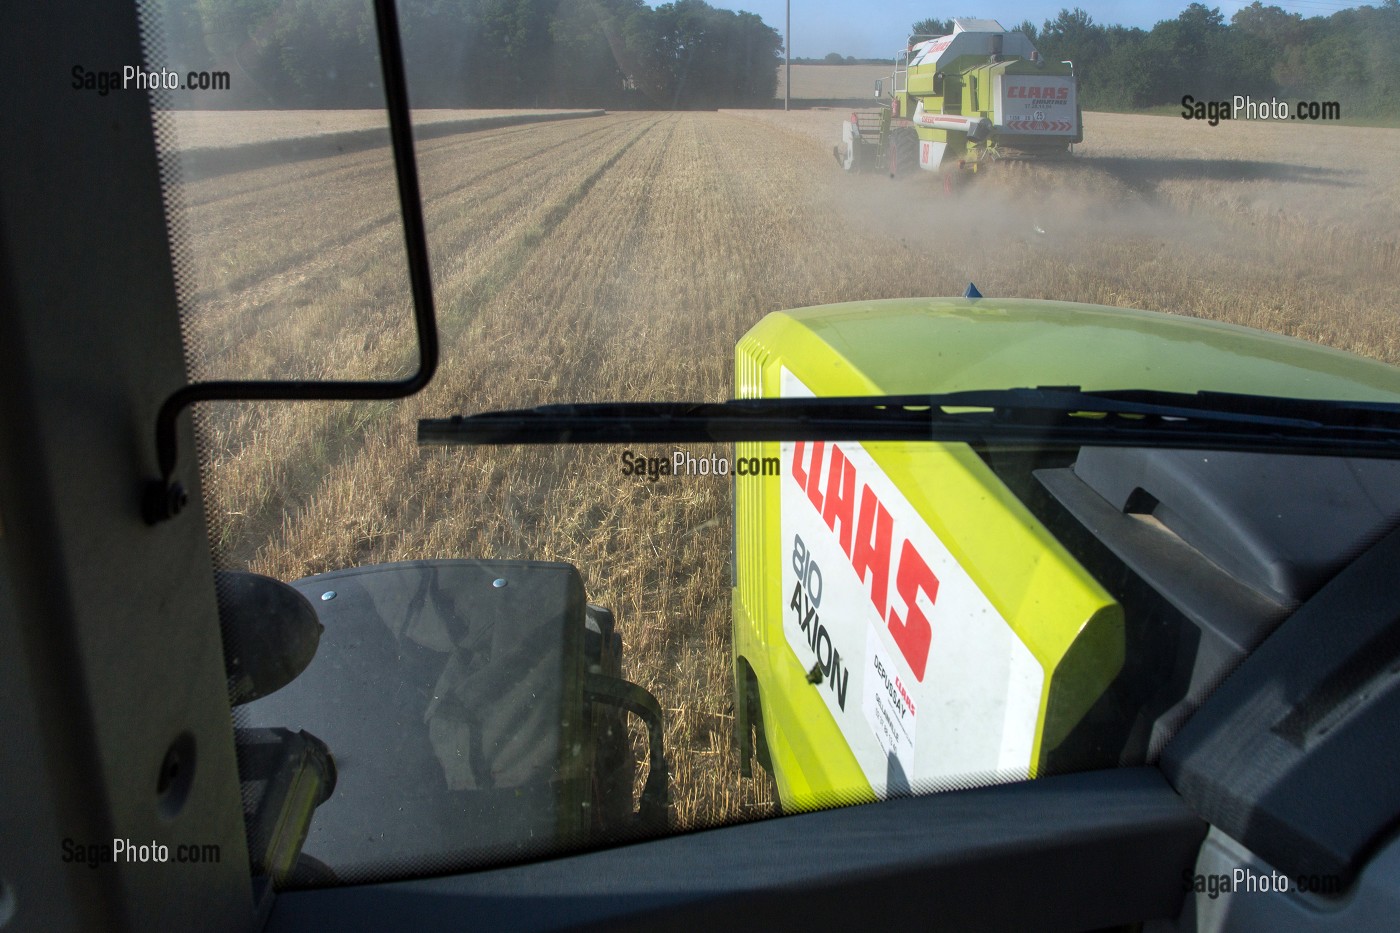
165, 498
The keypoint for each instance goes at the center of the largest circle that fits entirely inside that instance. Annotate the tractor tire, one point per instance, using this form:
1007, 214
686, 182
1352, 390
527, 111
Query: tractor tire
903, 152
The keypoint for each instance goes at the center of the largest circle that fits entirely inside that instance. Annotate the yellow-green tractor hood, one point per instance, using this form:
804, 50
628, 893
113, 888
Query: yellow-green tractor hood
952, 344
906, 622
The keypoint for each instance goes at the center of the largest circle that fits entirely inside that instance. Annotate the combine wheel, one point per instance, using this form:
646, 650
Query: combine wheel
903, 151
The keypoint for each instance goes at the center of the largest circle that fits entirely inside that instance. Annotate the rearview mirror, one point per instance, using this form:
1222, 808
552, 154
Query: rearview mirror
879, 87
165, 497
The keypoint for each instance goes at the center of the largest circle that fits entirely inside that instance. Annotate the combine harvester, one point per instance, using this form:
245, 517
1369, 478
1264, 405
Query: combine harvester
964, 100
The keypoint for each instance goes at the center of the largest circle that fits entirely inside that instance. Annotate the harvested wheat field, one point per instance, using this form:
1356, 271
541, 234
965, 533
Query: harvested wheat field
621, 257
827, 82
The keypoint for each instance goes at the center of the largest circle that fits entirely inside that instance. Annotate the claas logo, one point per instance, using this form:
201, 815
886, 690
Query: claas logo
1037, 93
883, 558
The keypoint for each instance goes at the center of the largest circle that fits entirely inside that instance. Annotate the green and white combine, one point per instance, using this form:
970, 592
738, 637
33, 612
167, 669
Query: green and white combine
963, 100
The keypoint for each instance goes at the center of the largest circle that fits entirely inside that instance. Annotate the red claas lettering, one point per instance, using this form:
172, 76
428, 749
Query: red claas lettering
1021, 91
865, 530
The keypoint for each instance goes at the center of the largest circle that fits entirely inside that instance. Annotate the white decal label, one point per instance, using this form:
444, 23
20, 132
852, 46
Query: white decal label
888, 707
921, 673
1036, 105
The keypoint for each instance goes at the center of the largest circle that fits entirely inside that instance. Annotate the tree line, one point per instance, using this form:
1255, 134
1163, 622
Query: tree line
478, 53
1352, 56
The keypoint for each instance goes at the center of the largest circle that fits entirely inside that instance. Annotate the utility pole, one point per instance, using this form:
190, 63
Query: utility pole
787, 54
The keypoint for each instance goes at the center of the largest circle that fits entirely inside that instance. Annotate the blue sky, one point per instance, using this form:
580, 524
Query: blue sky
874, 29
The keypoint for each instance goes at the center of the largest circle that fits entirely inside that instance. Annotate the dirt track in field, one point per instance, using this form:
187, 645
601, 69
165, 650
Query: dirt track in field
621, 257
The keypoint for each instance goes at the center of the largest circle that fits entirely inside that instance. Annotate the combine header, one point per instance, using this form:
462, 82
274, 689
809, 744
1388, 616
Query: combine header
963, 100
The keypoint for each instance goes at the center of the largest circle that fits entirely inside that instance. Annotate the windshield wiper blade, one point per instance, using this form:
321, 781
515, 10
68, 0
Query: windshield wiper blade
1039, 417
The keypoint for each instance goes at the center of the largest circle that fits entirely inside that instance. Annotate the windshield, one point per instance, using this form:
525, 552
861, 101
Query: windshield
532, 648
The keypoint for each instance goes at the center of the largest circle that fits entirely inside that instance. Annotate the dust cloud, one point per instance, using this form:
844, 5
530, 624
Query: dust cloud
1249, 231
1062, 209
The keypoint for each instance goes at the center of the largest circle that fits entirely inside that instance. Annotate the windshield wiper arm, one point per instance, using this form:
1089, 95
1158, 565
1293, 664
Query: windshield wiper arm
1040, 417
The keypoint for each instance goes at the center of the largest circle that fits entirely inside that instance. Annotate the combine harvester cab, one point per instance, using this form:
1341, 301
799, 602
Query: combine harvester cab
963, 100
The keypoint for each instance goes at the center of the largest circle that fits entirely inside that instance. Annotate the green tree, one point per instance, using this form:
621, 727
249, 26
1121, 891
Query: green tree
1273, 24
590, 64
509, 53
931, 27
1124, 78
1198, 54
1073, 36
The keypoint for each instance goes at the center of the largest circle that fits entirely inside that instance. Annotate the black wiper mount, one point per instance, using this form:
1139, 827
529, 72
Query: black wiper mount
1048, 416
